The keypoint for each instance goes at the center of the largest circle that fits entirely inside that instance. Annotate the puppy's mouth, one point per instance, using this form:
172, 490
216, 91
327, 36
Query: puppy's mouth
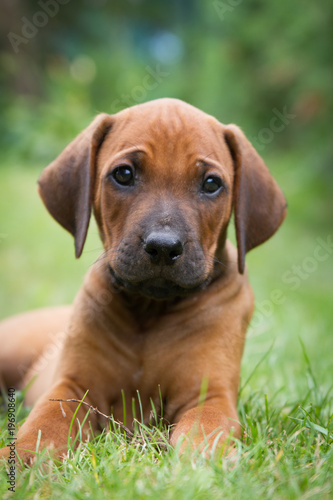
154, 288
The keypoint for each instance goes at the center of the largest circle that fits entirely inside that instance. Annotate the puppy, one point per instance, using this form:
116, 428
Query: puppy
165, 308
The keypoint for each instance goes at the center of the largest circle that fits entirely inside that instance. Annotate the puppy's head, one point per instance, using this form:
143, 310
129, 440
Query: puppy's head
163, 178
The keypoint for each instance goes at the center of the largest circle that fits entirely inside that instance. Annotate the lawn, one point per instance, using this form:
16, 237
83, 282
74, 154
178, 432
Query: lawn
286, 396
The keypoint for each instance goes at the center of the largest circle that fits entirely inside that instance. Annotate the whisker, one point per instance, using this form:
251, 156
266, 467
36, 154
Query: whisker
217, 261
104, 255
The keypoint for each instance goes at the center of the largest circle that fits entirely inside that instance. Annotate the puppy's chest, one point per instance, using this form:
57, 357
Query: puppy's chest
136, 374
136, 389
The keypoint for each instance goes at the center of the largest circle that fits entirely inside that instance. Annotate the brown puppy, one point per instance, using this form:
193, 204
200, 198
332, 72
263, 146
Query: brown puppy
167, 305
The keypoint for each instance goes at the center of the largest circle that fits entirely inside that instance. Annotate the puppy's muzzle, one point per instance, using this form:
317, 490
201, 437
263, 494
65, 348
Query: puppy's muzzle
163, 248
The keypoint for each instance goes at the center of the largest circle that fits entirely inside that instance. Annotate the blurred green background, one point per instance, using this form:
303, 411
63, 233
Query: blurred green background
266, 66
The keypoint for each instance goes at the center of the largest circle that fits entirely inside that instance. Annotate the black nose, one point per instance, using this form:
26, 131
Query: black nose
163, 247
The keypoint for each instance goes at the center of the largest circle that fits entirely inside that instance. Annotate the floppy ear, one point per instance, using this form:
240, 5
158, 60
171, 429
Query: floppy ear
259, 204
66, 185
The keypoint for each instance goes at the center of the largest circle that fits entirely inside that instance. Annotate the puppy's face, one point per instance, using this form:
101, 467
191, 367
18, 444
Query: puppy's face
162, 178
163, 199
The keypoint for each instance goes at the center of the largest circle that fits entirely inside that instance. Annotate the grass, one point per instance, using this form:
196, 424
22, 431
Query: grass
286, 396
287, 453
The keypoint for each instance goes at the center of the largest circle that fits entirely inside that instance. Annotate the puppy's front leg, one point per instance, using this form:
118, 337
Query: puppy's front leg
52, 420
210, 424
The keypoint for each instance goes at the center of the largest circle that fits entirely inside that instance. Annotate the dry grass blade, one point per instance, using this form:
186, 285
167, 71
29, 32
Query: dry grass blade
141, 439
128, 432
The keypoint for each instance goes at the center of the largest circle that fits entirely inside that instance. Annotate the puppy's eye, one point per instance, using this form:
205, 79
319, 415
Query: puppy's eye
123, 175
212, 185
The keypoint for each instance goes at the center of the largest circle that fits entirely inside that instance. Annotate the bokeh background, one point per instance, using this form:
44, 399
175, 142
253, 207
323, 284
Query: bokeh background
266, 66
